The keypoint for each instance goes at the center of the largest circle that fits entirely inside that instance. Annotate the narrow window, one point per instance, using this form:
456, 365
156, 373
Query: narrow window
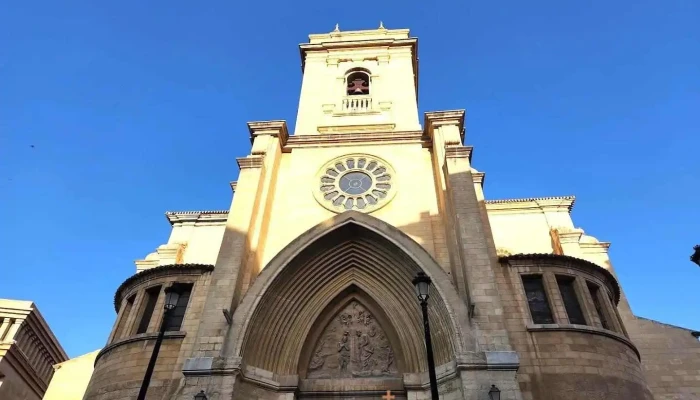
173, 319
537, 300
125, 317
594, 289
151, 298
571, 303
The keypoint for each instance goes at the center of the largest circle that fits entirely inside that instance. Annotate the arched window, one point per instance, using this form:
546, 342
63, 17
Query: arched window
357, 83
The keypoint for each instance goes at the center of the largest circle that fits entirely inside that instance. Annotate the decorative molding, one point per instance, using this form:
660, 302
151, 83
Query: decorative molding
233, 185
479, 177
162, 271
535, 203
546, 260
343, 139
26, 315
355, 128
385, 41
175, 217
435, 119
459, 151
139, 338
584, 329
340, 252
276, 128
250, 162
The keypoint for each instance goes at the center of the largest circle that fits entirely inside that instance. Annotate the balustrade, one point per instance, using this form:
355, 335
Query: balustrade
357, 104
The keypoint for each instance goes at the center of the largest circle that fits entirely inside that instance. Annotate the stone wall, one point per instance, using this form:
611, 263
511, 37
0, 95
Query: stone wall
670, 358
564, 361
120, 368
71, 378
121, 365
16, 384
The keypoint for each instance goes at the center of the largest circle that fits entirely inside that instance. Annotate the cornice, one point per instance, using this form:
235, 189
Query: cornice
28, 314
163, 270
479, 177
459, 152
332, 44
435, 119
533, 202
250, 162
361, 129
275, 128
379, 38
175, 217
233, 185
565, 261
345, 139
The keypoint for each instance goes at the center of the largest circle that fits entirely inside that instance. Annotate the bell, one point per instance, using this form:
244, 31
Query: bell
358, 85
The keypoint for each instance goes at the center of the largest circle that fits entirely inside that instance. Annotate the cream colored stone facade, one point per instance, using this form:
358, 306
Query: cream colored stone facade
28, 350
70, 378
303, 288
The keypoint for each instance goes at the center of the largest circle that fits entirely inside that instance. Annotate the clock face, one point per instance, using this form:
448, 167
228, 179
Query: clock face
355, 182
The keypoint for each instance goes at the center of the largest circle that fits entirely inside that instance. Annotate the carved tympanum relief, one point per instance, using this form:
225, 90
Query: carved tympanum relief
353, 345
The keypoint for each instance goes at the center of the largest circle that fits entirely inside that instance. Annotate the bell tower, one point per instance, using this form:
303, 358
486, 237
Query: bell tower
359, 81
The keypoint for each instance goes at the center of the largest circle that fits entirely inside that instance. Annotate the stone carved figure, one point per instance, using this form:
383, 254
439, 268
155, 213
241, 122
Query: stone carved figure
389, 359
352, 345
366, 351
343, 352
318, 359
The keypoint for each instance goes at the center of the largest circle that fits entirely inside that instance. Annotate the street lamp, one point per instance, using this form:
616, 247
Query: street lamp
422, 284
696, 256
494, 393
172, 295
200, 396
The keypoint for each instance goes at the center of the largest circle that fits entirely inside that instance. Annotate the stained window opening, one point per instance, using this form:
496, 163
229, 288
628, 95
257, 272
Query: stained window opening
537, 300
567, 289
594, 289
124, 317
151, 299
173, 319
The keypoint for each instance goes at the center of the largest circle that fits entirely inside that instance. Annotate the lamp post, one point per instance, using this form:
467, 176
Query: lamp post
171, 298
494, 393
696, 255
200, 396
422, 284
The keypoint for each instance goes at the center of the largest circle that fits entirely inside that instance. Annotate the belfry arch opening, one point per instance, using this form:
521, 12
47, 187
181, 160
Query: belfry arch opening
357, 82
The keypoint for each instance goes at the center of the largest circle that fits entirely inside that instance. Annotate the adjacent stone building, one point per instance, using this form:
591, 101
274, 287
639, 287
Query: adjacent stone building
302, 289
71, 377
28, 350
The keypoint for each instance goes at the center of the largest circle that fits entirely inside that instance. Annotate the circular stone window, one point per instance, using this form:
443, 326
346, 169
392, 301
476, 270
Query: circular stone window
355, 182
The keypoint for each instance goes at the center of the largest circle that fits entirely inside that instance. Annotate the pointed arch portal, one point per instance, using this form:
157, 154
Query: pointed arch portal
348, 275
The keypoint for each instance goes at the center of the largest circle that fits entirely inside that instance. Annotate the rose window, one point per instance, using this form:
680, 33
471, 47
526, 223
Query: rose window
356, 182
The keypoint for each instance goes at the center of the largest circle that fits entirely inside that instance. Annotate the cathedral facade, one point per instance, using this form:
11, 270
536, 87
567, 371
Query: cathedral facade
303, 288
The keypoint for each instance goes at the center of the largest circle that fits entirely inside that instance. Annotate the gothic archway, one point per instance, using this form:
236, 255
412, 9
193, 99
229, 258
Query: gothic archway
276, 325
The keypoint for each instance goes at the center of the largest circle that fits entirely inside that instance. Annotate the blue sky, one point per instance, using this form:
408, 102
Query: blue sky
134, 108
